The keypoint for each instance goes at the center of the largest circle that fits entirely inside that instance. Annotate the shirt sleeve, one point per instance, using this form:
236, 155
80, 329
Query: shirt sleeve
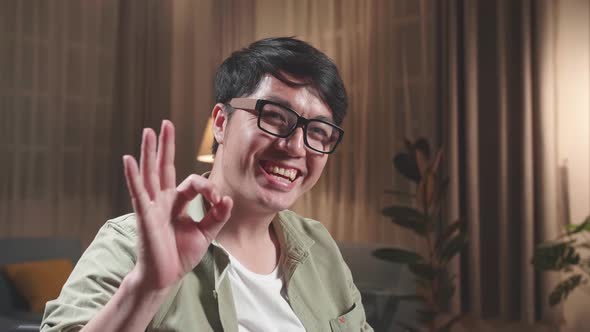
96, 277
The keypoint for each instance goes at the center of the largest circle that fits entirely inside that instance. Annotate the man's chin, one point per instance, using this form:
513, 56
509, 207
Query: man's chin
275, 203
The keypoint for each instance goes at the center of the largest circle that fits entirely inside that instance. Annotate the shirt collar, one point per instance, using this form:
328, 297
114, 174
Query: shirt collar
294, 243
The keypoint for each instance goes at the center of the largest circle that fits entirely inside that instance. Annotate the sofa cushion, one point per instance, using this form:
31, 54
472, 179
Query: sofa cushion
16, 250
10, 299
40, 281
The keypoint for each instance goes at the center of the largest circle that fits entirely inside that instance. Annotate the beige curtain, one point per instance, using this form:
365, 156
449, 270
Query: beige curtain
141, 84
84, 77
79, 81
383, 51
56, 111
497, 93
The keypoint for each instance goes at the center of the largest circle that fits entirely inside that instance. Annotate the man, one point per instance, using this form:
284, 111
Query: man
222, 252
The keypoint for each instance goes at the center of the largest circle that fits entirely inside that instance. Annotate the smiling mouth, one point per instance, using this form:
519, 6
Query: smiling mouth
280, 172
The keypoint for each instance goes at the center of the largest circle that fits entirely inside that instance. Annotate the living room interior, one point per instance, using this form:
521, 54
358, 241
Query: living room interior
480, 108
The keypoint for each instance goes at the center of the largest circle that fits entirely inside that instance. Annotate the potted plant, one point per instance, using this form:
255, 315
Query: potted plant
442, 240
564, 254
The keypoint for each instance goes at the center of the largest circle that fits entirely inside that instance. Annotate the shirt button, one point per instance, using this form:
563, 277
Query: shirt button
215, 294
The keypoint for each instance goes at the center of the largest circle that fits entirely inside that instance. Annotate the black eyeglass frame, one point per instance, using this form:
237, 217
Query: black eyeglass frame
251, 104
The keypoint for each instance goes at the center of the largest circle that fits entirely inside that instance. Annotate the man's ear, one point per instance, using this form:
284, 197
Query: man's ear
220, 118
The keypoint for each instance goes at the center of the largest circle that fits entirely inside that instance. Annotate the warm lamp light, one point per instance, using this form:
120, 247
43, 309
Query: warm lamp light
204, 155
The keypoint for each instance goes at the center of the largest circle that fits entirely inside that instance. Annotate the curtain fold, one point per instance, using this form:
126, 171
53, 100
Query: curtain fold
83, 78
141, 84
495, 87
56, 92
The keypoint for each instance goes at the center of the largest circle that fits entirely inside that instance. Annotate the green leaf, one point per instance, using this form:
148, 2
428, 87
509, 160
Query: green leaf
446, 294
396, 255
448, 231
442, 189
453, 247
555, 257
407, 166
422, 270
577, 228
422, 145
564, 288
407, 217
447, 289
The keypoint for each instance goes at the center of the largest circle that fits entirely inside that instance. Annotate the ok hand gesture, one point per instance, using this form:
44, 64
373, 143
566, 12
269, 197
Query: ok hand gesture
170, 243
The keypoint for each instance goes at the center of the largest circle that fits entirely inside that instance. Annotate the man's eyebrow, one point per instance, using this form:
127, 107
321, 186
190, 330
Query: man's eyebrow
279, 100
286, 103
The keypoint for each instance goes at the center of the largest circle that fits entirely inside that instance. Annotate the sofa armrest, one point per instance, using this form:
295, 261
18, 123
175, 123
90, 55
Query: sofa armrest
12, 324
381, 283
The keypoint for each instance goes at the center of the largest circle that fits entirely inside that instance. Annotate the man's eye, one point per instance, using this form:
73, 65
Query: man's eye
274, 116
318, 133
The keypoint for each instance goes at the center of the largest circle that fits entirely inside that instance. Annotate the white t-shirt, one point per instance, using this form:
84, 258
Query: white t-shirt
259, 303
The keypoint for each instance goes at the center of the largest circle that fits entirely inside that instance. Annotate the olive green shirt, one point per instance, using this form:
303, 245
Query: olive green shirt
318, 284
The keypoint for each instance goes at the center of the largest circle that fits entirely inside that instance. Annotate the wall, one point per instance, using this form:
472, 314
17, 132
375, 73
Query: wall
573, 127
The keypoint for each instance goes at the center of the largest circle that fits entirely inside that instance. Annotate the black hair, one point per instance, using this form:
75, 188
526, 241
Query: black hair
241, 73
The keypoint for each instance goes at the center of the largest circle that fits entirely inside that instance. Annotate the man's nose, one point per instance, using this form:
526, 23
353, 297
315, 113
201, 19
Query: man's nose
294, 144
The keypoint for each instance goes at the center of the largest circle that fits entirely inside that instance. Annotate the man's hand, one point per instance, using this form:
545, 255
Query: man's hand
170, 243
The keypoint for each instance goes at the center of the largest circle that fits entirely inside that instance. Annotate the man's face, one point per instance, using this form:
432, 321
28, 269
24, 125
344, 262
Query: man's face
256, 166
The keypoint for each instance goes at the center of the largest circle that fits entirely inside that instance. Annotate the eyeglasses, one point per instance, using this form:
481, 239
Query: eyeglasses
278, 120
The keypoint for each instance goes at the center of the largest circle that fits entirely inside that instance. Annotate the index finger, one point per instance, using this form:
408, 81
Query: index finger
191, 187
166, 150
139, 196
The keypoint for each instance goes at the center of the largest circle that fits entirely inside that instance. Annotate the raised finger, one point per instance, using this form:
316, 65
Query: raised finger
148, 169
215, 218
166, 150
139, 196
191, 187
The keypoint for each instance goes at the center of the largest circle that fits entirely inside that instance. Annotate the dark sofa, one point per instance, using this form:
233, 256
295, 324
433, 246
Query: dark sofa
14, 313
381, 285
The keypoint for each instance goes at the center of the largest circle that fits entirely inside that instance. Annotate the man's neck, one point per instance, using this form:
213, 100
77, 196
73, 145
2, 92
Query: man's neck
254, 244
246, 228
248, 234
248, 225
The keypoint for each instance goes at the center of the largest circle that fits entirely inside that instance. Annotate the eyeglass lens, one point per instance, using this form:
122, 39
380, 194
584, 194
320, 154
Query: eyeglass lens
280, 121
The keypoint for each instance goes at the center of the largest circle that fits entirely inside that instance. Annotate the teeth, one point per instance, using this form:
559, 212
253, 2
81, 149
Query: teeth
288, 173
